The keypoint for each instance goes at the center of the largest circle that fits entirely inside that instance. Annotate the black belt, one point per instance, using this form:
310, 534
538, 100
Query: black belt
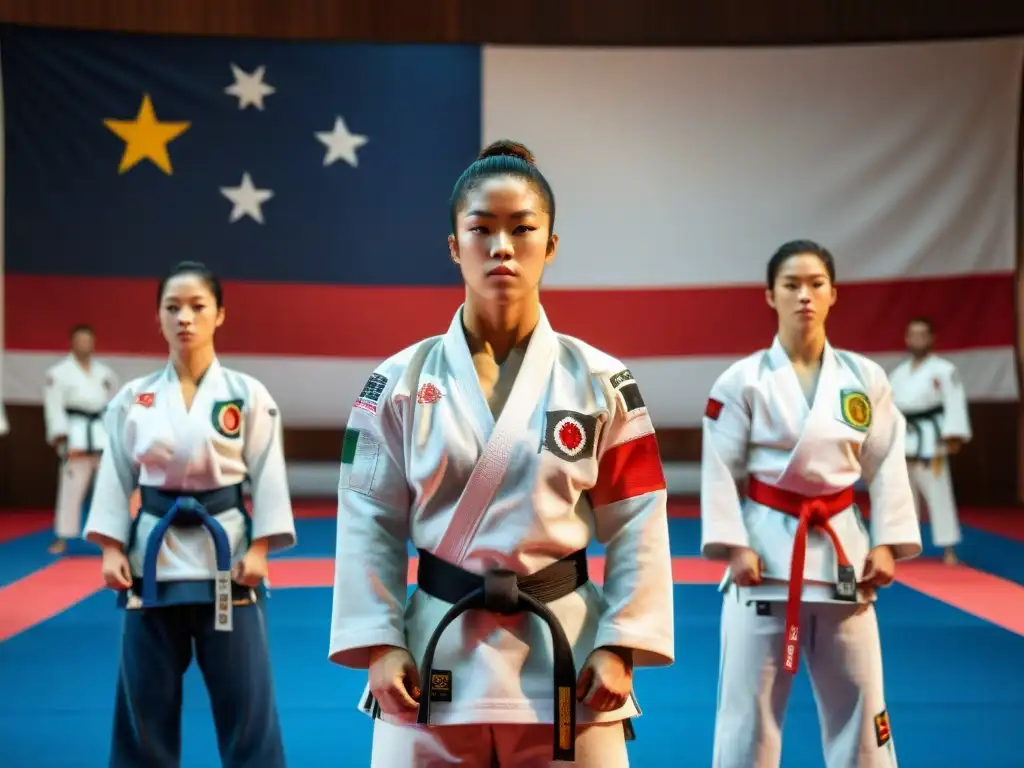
915, 419
91, 417
503, 592
159, 502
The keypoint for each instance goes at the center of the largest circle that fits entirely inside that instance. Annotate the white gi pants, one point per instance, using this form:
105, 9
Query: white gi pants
72, 486
936, 490
839, 647
602, 745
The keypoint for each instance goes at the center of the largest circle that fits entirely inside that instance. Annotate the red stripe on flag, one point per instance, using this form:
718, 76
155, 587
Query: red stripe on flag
628, 469
969, 312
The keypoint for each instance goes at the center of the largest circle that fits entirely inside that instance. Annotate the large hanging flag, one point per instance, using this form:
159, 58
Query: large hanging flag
314, 177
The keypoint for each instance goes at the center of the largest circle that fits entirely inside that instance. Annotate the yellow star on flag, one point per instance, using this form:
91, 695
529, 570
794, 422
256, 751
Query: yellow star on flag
146, 138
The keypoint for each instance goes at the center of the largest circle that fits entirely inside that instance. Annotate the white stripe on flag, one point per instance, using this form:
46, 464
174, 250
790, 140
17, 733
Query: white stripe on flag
689, 167
319, 392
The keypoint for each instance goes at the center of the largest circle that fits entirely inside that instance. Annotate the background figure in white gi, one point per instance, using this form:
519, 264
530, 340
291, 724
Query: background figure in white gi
501, 445
190, 567
76, 391
928, 391
787, 433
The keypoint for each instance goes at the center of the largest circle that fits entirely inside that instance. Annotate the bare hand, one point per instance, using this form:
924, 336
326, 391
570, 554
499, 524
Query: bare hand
745, 566
953, 445
394, 679
880, 567
117, 573
605, 681
251, 570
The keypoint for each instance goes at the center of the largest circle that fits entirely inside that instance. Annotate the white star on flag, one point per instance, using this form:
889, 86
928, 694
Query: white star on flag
249, 87
246, 199
341, 144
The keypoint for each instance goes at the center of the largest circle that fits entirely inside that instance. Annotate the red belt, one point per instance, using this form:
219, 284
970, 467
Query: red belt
812, 512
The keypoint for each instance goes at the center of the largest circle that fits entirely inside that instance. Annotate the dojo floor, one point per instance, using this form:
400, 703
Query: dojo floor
953, 641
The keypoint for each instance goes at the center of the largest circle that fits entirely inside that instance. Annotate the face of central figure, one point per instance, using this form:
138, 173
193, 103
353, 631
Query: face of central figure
503, 240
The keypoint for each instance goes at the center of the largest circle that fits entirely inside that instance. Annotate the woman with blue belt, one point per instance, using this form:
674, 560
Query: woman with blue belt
190, 567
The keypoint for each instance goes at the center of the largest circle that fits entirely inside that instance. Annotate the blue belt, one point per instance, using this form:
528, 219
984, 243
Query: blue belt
187, 510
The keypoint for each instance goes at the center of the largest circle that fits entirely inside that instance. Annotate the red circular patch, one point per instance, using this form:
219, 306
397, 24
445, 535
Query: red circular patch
230, 419
428, 394
570, 436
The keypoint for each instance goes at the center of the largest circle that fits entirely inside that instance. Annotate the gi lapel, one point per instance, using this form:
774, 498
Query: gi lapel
531, 382
820, 414
191, 428
464, 378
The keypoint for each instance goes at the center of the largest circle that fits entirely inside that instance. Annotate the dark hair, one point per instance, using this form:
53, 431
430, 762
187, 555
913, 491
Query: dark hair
920, 320
198, 269
81, 328
502, 158
797, 248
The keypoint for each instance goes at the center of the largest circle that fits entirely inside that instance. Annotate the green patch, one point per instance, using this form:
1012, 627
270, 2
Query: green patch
348, 445
856, 409
227, 417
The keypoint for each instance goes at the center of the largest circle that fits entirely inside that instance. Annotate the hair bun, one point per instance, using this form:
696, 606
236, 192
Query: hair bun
507, 148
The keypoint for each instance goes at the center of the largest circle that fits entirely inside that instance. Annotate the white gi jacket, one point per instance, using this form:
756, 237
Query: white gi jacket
758, 424
576, 458
232, 431
932, 388
70, 395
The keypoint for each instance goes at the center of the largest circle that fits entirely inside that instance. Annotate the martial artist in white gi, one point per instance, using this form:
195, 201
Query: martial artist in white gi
76, 391
787, 432
190, 567
928, 391
501, 449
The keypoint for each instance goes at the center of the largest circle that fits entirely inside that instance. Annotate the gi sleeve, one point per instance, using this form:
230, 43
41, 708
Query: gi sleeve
111, 382
110, 514
725, 441
629, 502
272, 516
53, 407
884, 468
956, 420
372, 557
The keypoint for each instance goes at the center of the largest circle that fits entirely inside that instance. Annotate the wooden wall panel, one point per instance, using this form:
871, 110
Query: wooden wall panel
587, 22
984, 474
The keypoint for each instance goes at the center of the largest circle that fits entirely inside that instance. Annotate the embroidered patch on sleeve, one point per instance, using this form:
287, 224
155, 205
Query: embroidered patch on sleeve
359, 452
883, 733
713, 409
372, 390
628, 392
145, 399
428, 394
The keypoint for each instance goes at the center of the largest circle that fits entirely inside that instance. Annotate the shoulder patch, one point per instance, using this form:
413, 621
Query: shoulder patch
227, 417
372, 390
145, 399
713, 409
883, 732
856, 408
428, 393
628, 392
